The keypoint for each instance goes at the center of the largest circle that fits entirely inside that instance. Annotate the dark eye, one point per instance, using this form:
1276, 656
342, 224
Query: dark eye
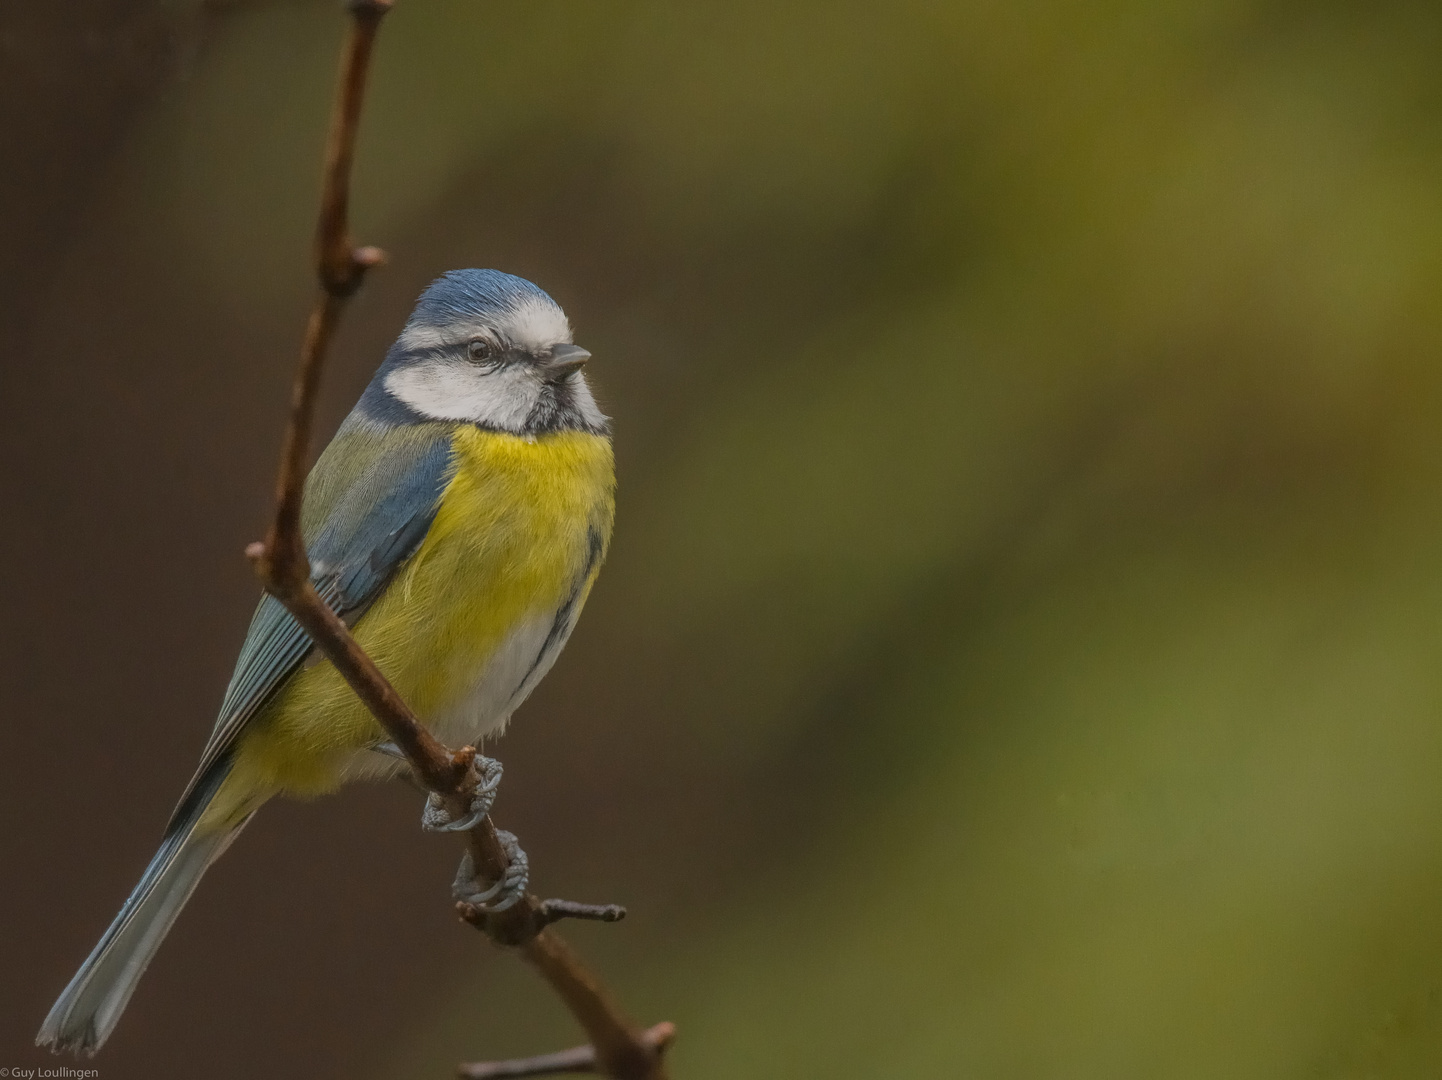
482, 351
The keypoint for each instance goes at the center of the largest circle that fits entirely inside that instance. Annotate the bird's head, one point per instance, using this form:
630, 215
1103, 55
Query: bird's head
490, 349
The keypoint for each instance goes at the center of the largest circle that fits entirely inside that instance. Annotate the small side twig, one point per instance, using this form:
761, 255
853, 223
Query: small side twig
556, 910
544, 913
618, 1048
578, 1059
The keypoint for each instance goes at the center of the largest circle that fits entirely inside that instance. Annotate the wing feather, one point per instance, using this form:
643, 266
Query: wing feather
370, 501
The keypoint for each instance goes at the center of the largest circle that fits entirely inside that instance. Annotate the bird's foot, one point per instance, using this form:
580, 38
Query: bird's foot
438, 818
504, 894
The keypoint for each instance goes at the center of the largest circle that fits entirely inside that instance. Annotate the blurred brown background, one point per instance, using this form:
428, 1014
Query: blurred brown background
1020, 651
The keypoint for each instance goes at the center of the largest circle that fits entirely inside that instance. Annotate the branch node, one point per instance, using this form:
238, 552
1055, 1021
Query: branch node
342, 276
368, 257
463, 758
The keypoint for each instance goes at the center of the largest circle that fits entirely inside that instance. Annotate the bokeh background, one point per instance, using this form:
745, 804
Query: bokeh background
1021, 652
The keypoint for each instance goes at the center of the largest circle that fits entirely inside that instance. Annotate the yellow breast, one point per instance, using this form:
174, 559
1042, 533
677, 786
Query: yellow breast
514, 538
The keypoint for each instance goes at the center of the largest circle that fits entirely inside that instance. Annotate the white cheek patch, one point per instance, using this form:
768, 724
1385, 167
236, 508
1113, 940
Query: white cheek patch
456, 390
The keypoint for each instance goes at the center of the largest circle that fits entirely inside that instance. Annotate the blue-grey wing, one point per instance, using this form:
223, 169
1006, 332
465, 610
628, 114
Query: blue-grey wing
370, 501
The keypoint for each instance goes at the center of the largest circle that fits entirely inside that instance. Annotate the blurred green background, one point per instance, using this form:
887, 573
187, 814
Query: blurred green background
1021, 651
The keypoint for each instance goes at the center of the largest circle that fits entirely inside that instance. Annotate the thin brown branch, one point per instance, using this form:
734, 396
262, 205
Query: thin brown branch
621, 1052
342, 265
618, 1048
578, 1059
617, 1041
341, 268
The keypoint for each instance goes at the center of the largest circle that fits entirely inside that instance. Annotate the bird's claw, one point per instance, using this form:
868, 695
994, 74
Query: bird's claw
505, 893
437, 818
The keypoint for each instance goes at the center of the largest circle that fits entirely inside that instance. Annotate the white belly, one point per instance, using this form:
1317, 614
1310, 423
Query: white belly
506, 679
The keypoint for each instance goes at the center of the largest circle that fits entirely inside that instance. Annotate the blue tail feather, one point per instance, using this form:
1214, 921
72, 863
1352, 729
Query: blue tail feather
87, 1010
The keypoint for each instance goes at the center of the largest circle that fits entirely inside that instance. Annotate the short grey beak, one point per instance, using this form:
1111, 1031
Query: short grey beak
565, 361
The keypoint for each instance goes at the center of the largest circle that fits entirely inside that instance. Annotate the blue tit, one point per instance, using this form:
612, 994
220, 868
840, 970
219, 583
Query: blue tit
457, 522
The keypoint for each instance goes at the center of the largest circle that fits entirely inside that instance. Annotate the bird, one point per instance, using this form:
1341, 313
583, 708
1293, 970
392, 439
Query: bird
457, 522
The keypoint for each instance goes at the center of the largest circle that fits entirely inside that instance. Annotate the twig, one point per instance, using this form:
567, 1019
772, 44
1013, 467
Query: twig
578, 1059
556, 910
618, 1048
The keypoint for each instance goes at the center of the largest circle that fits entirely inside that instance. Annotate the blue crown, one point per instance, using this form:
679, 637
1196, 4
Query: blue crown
471, 293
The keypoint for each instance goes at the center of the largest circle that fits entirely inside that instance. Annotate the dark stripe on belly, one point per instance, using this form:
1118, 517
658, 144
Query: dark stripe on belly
557, 633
